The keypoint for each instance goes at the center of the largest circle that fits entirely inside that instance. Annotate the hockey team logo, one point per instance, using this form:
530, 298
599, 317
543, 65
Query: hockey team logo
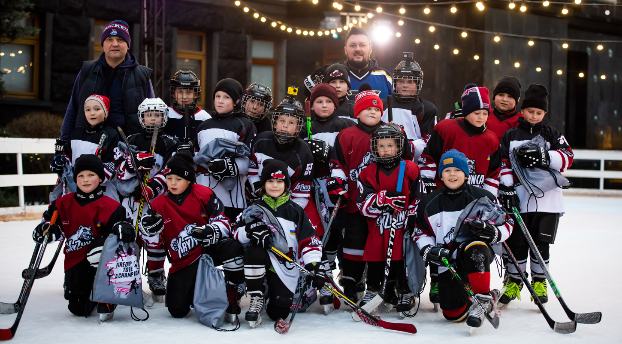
384, 221
368, 159
309, 169
304, 188
113, 32
474, 178
79, 239
336, 73
374, 101
278, 175
184, 242
449, 237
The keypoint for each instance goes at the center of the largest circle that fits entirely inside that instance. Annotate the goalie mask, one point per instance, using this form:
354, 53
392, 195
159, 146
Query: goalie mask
407, 79
188, 83
152, 112
255, 96
287, 120
387, 144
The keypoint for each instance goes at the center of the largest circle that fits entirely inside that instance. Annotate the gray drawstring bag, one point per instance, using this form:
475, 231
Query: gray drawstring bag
210, 295
413, 264
220, 148
118, 280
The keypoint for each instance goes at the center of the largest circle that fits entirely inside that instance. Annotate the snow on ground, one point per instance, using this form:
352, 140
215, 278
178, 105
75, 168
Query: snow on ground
585, 266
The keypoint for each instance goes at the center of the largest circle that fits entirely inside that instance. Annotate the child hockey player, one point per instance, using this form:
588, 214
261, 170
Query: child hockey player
505, 115
152, 113
190, 220
382, 201
337, 75
85, 140
437, 217
85, 218
228, 122
541, 214
185, 90
298, 240
257, 101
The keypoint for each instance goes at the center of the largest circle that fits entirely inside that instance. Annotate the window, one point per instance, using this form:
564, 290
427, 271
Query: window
19, 60
100, 25
264, 64
191, 55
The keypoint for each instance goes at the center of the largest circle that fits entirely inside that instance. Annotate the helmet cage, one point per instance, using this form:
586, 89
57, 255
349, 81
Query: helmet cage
284, 138
417, 77
180, 81
261, 94
399, 141
157, 105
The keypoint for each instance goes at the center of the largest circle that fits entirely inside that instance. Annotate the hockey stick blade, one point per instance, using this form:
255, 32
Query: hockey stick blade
369, 307
7, 334
43, 272
282, 326
565, 328
8, 308
588, 318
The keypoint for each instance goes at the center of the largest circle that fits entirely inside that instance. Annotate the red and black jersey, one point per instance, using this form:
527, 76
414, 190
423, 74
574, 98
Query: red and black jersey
83, 219
84, 140
480, 148
198, 205
499, 123
373, 179
176, 125
351, 154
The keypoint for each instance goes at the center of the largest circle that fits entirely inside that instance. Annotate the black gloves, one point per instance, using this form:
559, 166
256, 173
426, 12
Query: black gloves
145, 161
207, 234
151, 223
187, 147
54, 232
428, 185
259, 234
222, 168
533, 157
318, 279
320, 150
392, 199
336, 188
484, 231
508, 198
58, 163
252, 191
434, 254
125, 231
152, 189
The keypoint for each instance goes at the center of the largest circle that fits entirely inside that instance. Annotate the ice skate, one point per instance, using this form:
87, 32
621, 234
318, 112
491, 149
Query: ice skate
513, 288
157, 285
326, 300
253, 316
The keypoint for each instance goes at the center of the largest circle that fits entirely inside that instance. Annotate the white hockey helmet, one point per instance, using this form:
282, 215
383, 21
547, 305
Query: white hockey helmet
150, 105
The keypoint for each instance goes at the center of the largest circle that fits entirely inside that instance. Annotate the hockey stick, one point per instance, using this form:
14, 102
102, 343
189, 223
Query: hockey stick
330, 222
364, 315
494, 319
281, 326
9, 333
187, 123
582, 318
565, 328
127, 143
145, 180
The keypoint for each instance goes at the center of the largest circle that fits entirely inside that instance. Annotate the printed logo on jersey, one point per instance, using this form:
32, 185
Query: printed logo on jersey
300, 187
474, 178
336, 73
383, 222
184, 242
368, 159
81, 238
449, 237
309, 169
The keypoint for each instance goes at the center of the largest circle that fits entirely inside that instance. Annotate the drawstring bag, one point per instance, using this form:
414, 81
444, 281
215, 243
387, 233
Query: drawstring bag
413, 264
210, 295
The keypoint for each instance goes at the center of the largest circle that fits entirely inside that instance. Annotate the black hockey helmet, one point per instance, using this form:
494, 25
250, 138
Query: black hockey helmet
407, 69
288, 109
387, 131
261, 94
185, 79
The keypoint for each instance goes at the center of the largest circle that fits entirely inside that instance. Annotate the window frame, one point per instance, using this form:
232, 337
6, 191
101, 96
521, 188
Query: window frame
196, 55
34, 41
97, 48
274, 62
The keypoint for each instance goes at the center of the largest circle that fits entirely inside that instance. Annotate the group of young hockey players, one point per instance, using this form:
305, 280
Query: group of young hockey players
344, 184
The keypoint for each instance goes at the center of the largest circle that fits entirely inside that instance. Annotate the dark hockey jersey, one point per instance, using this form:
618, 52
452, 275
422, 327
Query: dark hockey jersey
84, 219
481, 150
176, 125
262, 125
499, 123
373, 179
234, 126
198, 205
303, 241
85, 141
350, 155
560, 155
345, 109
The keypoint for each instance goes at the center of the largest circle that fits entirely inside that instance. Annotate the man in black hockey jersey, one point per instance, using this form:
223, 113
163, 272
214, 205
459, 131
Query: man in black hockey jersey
257, 102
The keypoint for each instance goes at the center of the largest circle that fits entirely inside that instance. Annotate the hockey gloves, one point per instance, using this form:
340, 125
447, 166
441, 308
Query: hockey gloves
320, 150
58, 164
207, 234
336, 188
54, 232
392, 199
189, 147
145, 161
259, 234
434, 254
428, 185
151, 223
533, 157
151, 189
484, 231
318, 277
125, 231
223, 168
252, 191
508, 197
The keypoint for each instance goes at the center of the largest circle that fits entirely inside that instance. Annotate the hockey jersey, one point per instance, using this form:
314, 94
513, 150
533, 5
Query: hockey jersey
481, 150
84, 218
303, 241
350, 155
373, 179
499, 123
84, 140
561, 158
234, 126
176, 125
262, 125
345, 109
198, 205
380, 80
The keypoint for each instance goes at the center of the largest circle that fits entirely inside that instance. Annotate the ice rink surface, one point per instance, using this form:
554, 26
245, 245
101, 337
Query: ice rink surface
585, 264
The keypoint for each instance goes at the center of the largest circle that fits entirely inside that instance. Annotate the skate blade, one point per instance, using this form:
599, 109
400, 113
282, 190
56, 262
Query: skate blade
254, 324
385, 307
231, 318
103, 317
472, 330
436, 307
158, 298
328, 309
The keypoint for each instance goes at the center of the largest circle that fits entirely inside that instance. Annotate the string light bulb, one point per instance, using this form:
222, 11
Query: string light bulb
357, 7
273, 24
379, 9
426, 10
545, 3
523, 7
350, 25
497, 38
564, 10
283, 27
237, 3
417, 41
436, 46
339, 7
581, 75
246, 9
516, 64
339, 29
531, 43
289, 29
353, 21
345, 27
263, 19
397, 34
453, 9
603, 77
538, 69
298, 32
315, 2
565, 45
431, 29
370, 15
607, 12
480, 5
400, 22
305, 33
599, 47
464, 34
512, 5
496, 61
402, 10
335, 4
476, 57
326, 32
456, 51
311, 33
559, 72
256, 15
332, 31
577, 1
319, 33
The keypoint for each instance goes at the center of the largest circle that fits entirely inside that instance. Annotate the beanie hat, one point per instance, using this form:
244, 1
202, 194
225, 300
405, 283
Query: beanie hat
324, 90
182, 165
475, 98
89, 162
274, 169
231, 87
366, 98
535, 96
337, 71
453, 158
507, 84
103, 101
117, 28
